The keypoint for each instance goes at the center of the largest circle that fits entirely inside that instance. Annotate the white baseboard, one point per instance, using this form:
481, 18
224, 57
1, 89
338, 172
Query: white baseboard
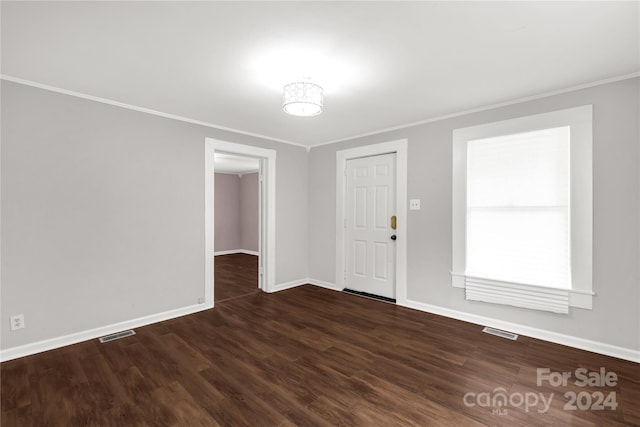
289, 285
65, 340
236, 251
323, 284
306, 281
581, 343
542, 334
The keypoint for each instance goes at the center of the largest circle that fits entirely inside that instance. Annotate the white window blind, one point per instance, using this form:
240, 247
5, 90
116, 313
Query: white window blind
518, 208
522, 211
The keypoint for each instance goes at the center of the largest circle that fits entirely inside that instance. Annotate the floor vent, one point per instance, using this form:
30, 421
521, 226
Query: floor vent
499, 333
117, 336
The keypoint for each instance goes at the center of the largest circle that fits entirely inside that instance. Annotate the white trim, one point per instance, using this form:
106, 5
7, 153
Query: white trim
326, 285
581, 299
268, 214
236, 251
240, 175
457, 279
517, 294
581, 142
577, 297
142, 109
74, 338
485, 108
306, 281
541, 334
288, 285
400, 147
209, 186
308, 147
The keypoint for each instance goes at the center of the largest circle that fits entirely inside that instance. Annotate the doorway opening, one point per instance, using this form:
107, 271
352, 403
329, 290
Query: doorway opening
249, 251
237, 225
371, 220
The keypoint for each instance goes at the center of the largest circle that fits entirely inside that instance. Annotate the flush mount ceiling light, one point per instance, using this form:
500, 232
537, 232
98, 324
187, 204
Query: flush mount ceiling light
302, 99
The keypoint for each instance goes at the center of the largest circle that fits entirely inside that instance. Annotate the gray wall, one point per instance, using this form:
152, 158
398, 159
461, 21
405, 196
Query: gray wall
615, 316
236, 212
249, 210
227, 212
103, 213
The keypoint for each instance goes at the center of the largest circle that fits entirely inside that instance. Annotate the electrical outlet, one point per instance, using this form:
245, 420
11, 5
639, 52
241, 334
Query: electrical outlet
414, 204
17, 322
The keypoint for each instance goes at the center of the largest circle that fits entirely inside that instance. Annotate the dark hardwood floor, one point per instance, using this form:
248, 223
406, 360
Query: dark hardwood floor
235, 275
302, 357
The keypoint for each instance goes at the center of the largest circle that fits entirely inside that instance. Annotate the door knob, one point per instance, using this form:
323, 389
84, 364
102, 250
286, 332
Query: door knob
393, 237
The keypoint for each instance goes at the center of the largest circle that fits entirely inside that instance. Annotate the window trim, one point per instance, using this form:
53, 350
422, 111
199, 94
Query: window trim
580, 120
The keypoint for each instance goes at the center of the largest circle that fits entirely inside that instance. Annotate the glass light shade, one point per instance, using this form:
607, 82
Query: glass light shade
302, 99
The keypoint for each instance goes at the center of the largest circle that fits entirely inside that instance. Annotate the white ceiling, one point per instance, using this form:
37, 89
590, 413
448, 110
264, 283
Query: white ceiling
229, 163
382, 64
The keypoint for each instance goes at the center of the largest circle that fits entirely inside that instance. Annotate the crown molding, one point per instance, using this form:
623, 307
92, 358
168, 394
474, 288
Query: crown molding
320, 144
142, 109
485, 108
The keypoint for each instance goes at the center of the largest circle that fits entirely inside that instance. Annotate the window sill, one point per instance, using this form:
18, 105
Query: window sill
577, 298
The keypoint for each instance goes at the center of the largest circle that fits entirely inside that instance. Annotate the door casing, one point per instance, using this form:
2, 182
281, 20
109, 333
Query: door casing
267, 212
400, 148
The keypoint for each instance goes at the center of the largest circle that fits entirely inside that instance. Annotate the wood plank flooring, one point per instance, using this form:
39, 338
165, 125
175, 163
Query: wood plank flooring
303, 357
235, 275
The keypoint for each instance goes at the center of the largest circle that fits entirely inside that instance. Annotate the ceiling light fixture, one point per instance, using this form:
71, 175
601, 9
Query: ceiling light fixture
302, 99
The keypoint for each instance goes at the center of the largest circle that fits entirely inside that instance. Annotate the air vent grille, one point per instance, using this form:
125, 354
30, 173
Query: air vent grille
499, 333
117, 336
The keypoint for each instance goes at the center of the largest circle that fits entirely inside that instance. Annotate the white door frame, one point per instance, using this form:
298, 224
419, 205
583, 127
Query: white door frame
267, 243
400, 148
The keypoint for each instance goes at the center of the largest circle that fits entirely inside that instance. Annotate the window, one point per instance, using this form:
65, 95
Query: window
518, 208
522, 211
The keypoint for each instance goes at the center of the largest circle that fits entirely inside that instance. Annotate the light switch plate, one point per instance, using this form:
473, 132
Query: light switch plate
414, 204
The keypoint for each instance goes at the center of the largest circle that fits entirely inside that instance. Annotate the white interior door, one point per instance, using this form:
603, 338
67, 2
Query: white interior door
370, 204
